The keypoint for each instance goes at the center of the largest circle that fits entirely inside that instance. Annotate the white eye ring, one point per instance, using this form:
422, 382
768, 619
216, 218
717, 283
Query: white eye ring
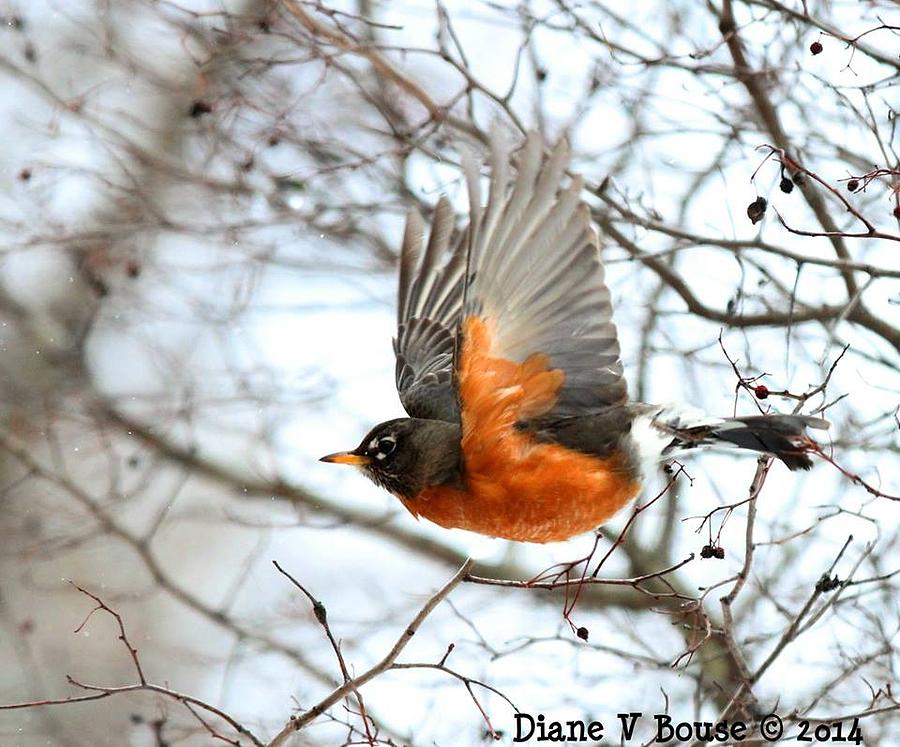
386, 446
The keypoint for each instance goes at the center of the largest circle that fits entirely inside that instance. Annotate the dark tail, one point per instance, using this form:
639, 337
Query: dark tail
783, 436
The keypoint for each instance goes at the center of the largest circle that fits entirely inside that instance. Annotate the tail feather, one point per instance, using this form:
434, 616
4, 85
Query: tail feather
783, 436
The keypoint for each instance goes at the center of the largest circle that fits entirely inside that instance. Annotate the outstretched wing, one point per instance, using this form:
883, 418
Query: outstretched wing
533, 270
429, 309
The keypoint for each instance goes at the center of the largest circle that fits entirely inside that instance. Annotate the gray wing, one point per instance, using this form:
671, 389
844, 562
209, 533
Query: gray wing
535, 269
429, 309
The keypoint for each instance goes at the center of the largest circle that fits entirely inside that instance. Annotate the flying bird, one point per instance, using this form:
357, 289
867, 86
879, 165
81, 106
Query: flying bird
508, 365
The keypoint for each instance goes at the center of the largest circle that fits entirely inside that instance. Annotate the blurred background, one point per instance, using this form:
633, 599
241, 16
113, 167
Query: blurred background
201, 204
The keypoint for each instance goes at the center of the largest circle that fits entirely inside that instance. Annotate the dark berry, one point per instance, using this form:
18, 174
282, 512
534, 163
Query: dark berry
582, 633
707, 551
897, 212
761, 391
827, 583
852, 185
25, 174
756, 210
786, 185
199, 108
816, 47
720, 553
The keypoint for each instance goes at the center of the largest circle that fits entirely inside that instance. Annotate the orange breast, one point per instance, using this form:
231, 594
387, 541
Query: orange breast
516, 487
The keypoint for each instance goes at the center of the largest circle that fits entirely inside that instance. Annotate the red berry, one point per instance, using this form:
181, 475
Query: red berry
816, 47
761, 391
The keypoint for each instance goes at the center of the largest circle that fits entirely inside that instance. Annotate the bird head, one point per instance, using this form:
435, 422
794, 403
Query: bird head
406, 455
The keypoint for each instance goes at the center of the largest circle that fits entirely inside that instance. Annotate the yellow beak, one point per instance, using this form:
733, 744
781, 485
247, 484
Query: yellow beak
346, 457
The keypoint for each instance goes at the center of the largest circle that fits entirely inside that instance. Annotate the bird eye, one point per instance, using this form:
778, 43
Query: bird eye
386, 446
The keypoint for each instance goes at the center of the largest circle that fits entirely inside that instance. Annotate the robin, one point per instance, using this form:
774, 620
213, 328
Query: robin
508, 365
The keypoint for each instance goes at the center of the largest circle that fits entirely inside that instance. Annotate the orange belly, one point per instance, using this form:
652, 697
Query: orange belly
516, 487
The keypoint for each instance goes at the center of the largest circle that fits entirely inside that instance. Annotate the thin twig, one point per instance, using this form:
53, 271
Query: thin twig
321, 616
296, 723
